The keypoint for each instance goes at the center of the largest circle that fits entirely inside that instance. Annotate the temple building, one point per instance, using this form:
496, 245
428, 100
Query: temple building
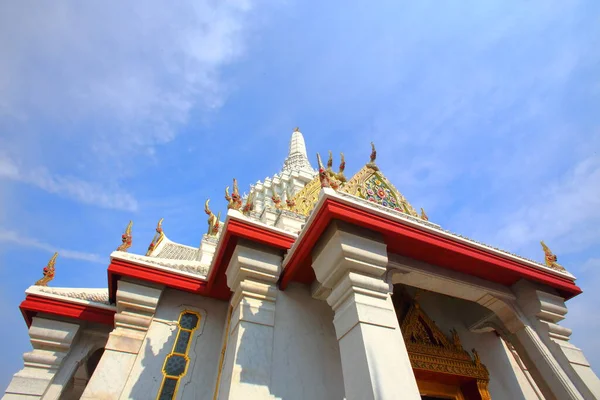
316, 285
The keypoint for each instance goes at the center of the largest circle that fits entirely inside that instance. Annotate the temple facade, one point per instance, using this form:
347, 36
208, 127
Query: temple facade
313, 286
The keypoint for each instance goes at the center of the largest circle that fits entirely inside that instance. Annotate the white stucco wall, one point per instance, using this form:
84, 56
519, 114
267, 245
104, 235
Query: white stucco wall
306, 357
199, 382
507, 380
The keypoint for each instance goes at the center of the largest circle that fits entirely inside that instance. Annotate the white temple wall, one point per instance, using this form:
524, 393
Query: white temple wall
507, 380
199, 382
306, 357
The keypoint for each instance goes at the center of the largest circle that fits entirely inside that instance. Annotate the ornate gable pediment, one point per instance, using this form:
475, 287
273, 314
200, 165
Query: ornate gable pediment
429, 349
369, 183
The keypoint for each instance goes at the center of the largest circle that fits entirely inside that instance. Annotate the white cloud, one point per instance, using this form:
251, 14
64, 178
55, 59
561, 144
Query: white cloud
68, 186
12, 237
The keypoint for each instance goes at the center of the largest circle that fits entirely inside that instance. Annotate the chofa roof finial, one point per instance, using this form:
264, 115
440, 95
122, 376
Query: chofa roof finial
127, 238
323, 177
550, 258
213, 221
48, 272
424, 216
373, 157
235, 200
157, 237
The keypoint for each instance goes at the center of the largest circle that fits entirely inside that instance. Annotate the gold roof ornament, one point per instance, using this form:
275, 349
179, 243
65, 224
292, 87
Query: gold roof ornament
249, 205
370, 184
276, 200
424, 216
290, 201
127, 238
323, 175
213, 221
372, 158
430, 350
158, 237
48, 272
550, 258
235, 200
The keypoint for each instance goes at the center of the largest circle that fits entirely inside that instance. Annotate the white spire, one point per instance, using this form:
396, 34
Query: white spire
297, 158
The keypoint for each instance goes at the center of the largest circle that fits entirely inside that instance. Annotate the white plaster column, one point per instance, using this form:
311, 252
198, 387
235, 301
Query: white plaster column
51, 341
352, 263
136, 305
544, 310
252, 274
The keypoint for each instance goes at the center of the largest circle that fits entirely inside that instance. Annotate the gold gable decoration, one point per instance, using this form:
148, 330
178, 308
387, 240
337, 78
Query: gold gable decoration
429, 349
369, 183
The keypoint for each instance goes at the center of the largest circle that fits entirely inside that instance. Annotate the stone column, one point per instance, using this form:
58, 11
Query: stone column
352, 263
51, 341
252, 274
544, 310
136, 305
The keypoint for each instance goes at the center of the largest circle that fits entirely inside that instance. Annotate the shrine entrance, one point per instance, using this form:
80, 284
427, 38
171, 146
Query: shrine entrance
442, 367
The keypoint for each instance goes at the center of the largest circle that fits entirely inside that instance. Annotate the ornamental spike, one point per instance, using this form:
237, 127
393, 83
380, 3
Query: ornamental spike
126, 238
48, 272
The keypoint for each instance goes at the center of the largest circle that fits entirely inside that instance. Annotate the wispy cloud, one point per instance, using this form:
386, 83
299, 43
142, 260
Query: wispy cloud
12, 237
68, 186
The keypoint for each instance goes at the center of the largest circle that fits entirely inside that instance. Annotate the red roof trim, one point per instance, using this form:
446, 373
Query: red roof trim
234, 230
399, 237
34, 304
121, 268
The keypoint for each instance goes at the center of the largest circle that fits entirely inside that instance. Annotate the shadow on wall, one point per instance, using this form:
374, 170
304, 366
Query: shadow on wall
149, 370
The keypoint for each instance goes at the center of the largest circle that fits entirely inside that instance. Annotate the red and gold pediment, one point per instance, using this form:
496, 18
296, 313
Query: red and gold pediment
369, 184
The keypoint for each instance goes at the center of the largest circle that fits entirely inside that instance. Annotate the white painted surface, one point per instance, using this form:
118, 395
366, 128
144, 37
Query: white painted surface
306, 357
199, 382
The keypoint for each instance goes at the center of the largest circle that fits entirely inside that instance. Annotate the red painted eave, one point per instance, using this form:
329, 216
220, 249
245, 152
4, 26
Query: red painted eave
234, 230
421, 244
34, 304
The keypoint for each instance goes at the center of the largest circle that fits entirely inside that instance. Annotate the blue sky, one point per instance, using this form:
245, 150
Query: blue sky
484, 113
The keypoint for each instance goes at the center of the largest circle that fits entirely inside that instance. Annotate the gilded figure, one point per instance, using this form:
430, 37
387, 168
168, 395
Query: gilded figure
550, 258
127, 238
235, 200
213, 221
48, 272
323, 176
157, 237
276, 200
249, 205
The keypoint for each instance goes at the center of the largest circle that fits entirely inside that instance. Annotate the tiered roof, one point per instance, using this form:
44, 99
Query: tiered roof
290, 211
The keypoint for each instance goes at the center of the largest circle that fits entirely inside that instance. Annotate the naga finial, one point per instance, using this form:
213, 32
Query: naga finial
213, 221
550, 258
48, 272
476, 358
373, 157
342, 165
323, 177
455, 338
157, 237
249, 206
235, 200
289, 197
127, 238
330, 162
424, 216
276, 200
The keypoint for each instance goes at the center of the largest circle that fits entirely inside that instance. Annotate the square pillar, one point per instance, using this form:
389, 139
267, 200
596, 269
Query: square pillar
252, 275
351, 263
51, 341
136, 305
544, 310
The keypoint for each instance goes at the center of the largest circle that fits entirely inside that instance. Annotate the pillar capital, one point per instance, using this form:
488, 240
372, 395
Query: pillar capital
51, 341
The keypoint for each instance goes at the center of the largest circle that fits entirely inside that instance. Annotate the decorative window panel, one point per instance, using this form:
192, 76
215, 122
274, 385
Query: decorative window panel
176, 362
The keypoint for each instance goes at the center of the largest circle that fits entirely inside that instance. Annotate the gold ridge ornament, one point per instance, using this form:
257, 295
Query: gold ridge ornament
48, 272
213, 221
126, 238
323, 176
249, 205
372, 158
158, 236
424, 216
235, 200
550, 258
